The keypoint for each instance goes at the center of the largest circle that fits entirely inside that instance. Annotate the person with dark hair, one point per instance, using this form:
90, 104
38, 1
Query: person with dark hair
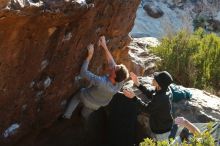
159, 107
102, 88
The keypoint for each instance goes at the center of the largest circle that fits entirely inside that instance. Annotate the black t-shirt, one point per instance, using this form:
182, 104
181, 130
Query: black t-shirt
122, 121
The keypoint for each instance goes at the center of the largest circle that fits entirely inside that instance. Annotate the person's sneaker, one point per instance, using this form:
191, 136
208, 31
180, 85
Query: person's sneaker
74, 102
66, 117
60, 118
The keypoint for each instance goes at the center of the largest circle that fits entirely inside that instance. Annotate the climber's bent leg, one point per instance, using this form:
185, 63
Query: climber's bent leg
72, 106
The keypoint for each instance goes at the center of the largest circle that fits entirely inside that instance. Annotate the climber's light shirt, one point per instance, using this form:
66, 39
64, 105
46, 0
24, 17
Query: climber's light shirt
101, 90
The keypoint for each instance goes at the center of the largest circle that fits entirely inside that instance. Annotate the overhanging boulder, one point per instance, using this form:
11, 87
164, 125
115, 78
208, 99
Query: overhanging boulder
42, 47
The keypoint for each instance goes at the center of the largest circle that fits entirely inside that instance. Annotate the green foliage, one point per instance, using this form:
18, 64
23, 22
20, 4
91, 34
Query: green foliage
148, 142
204, 139
193, 59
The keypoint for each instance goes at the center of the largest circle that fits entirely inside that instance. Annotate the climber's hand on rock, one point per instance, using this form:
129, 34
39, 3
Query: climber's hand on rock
102, 42
134, 79
90, 49
128, 93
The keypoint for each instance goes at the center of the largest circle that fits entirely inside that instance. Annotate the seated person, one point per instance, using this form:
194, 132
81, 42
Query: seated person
103, 87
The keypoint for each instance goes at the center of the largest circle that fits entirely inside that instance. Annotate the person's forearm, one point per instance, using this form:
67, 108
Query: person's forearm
137, 83
85, 65
109, 56
84, 68
192, 128
88, 58
142, 106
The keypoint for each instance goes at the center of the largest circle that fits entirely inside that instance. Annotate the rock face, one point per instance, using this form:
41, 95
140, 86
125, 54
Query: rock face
177, 14
152, 11
139, 59
42, 47
203, 107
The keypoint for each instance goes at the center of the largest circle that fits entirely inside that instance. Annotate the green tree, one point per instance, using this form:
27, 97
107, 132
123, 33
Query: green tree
193, 59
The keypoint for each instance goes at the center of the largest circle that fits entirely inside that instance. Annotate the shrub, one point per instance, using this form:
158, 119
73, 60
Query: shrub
193, 59
204, 139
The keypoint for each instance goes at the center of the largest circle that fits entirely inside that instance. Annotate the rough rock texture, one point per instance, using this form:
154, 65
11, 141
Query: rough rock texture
139, 60
144, 61
171, 21
178, 14
42, 47
152, 11
3, 3
203, 107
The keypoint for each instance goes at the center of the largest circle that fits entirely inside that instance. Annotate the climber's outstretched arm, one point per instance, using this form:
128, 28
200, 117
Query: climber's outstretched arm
90, 49
102, 42
85, 73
